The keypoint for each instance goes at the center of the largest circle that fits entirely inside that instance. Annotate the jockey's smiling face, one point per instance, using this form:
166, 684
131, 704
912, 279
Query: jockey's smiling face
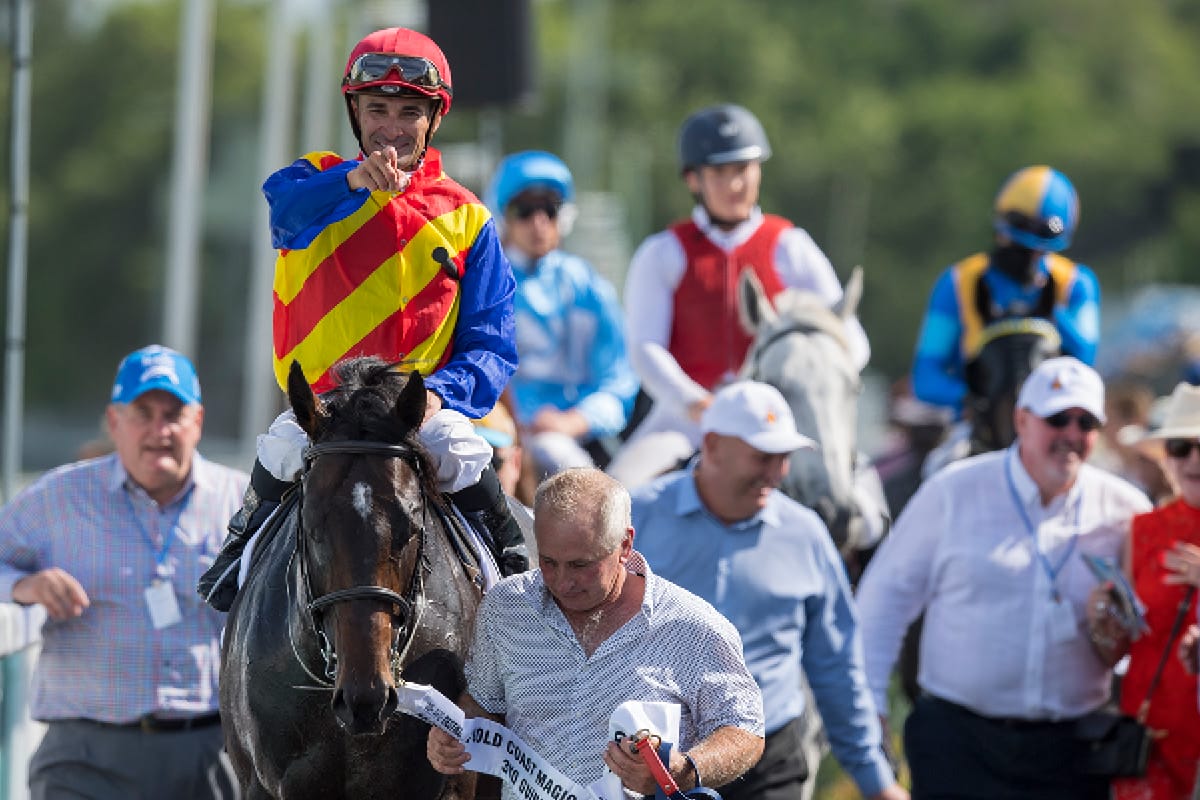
729, 192
155, 437
403, 122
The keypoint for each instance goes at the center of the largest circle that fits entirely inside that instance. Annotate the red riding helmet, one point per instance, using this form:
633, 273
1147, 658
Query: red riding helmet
397, 61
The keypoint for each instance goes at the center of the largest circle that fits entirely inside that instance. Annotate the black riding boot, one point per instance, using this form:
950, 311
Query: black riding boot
218, 585
485, 501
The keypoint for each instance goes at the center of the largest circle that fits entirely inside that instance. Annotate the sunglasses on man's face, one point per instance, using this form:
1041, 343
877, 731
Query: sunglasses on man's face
525, 209
1087, 423
1181, 448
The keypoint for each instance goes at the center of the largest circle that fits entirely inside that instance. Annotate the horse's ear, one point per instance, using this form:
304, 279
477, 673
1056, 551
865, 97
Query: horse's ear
410, 403
305, 405
847, 307
754, 308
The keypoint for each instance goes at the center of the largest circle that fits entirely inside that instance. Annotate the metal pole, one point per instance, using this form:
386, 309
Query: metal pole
583, 140
261, 394
192, 105
18, 234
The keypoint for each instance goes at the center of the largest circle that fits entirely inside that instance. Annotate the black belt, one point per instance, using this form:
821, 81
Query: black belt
153, 724
1013, 723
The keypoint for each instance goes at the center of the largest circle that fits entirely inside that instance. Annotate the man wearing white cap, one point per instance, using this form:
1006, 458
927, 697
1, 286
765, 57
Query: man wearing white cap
111, 548
722, 529
990, 548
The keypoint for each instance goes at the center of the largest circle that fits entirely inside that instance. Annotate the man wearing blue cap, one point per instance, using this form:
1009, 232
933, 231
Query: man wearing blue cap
111, 548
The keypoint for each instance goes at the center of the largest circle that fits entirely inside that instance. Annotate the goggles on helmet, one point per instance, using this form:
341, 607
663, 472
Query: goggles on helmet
1050, 228
417, 72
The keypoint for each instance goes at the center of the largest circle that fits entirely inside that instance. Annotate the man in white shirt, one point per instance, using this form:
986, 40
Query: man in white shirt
990, 548
558, 648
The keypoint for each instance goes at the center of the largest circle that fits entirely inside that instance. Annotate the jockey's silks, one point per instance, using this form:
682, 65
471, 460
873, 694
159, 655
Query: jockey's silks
367, 282
967, 275
707, 339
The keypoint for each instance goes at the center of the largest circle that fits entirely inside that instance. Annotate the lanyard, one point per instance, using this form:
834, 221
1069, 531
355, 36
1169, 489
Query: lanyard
160, 558
1051, 570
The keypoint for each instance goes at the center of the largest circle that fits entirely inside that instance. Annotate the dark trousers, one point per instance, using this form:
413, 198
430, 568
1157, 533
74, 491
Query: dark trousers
83, 760
781, 772
956, 754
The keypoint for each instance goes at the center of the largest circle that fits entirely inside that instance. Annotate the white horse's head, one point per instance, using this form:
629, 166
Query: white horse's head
801, 348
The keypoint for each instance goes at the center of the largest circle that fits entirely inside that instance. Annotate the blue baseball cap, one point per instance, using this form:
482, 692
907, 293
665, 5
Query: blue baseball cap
156, 367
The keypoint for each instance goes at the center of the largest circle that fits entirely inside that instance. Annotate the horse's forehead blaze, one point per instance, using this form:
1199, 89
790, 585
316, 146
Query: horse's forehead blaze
361, 499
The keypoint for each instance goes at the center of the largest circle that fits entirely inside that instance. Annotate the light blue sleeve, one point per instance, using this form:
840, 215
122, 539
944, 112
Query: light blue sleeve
834, 665
937, 375
607, 407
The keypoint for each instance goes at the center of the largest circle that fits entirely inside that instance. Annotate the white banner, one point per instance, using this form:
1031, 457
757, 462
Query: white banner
496, 750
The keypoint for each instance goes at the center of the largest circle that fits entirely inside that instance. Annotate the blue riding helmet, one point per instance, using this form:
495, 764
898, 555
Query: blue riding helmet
1037, 207
529, 169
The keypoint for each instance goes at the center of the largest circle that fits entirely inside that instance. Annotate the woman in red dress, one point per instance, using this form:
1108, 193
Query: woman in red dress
1155, 568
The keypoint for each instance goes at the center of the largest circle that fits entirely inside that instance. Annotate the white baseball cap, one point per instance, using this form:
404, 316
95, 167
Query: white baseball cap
757, 414
1061, 383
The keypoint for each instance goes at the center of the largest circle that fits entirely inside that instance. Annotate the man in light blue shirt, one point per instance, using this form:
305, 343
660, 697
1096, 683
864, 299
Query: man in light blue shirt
723, 530
127, 677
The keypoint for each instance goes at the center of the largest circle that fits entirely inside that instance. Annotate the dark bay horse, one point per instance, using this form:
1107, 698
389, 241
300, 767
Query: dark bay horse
1009, 349
361, 588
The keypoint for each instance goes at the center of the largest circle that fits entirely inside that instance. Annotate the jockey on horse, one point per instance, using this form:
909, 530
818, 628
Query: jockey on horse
681, 305
1036, 213
385, 255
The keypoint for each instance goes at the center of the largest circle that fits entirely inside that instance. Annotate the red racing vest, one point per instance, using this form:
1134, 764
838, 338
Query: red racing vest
706, 338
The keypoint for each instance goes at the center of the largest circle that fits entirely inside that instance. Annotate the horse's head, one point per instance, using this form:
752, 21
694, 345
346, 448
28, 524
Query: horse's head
801, 348
366, 489
1009, 350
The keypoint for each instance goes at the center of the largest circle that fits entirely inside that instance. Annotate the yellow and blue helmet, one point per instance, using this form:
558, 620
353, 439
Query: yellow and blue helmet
1037, 207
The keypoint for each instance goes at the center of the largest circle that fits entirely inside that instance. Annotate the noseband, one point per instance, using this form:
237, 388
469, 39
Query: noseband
401, 606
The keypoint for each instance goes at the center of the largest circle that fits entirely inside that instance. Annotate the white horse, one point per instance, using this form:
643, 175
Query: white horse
801, 348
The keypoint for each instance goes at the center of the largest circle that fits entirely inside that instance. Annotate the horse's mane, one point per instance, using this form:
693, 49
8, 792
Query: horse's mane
801, 306
361, 407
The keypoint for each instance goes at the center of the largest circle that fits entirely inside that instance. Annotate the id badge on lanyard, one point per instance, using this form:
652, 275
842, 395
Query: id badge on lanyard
1063, 624
161, 602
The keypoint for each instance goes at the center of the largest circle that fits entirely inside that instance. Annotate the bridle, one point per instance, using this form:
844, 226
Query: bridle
758, 348
404, 627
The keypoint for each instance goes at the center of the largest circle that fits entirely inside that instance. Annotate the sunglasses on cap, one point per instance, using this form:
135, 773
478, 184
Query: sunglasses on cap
1087, 423
524, 209
1181, 448
413, 70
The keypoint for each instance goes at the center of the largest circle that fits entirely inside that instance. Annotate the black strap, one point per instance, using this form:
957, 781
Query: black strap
1184, 605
